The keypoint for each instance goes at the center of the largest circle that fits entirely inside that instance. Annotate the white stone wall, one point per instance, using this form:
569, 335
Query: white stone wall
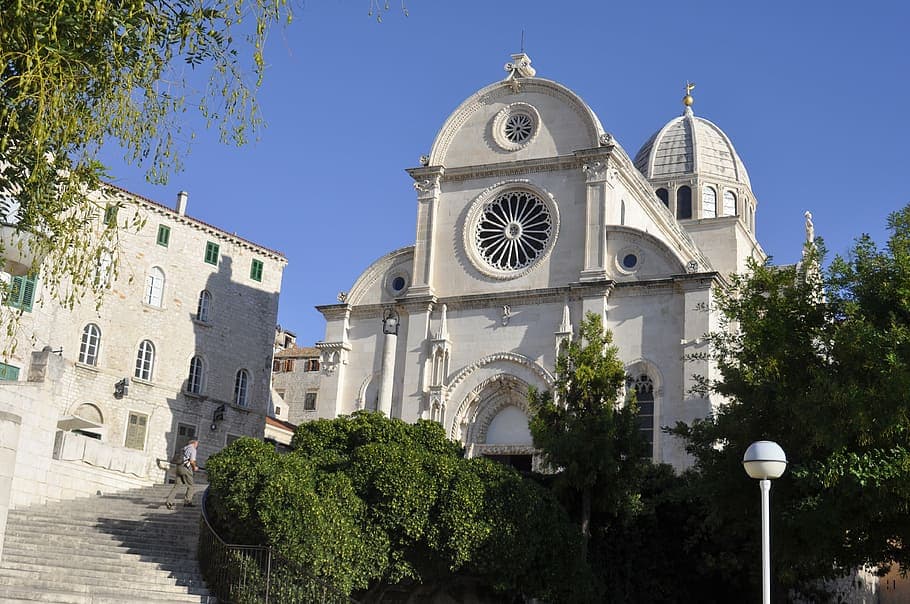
239, 334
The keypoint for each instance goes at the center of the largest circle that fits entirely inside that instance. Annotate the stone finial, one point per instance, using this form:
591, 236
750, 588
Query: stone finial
566, 325
519, 67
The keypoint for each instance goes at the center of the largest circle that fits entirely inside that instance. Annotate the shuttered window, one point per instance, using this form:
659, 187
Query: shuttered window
164, 235
211, 253
21, 292
8, 373
256, 270
135, 431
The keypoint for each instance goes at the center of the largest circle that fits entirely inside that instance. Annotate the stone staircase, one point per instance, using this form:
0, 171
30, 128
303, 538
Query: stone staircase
121, 548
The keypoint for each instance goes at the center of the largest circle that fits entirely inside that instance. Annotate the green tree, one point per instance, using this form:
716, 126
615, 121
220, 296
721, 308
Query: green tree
77, 74
372, 504
821, 365
586, 433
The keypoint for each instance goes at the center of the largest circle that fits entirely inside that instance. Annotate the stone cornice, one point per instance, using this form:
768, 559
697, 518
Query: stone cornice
508, 169
334, 311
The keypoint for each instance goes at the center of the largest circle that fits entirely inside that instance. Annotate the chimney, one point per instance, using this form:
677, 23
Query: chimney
181, 202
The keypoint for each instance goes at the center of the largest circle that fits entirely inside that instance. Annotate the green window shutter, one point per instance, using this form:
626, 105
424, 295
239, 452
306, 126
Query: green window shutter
21, 292
110, 215
8, 373
211, 253
256, 270
164, 235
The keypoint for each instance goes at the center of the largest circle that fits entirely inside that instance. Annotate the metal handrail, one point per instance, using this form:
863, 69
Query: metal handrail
257, 574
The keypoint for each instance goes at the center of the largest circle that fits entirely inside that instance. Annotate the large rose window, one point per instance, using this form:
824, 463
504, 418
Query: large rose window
513, 231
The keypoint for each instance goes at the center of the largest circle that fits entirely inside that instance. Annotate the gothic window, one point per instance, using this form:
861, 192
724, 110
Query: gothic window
729, 203
204, 306
708, 202
241, 387
194, 382
683, 202
154, 287
664, 196
91, 341
643, 387
145, 360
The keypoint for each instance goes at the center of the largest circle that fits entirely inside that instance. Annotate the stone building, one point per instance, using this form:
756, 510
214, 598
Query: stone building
94, 399
529, 215
295, 384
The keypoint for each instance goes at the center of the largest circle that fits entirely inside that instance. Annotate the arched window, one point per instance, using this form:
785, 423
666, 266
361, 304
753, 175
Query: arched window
751, 219
91, 341
204, 306
643, 387
145, 360
241, 387
622, 212
664, 196
196, 377
729, 203
708, 202
683, 202
154, 287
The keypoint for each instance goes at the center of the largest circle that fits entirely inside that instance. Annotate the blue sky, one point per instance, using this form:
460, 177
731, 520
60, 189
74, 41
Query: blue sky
814, 96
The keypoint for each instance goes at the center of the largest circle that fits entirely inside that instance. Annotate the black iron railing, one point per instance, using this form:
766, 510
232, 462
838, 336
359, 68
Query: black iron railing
257, 574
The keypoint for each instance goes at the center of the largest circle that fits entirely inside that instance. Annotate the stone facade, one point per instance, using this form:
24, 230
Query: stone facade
295, 384
530, 215
104, 396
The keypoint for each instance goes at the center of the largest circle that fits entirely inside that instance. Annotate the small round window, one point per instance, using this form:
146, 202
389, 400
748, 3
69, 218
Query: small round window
629, 261
396, 283
515, 126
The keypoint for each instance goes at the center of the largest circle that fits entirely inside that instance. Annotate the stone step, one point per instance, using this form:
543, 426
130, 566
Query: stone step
59, 595
25, 566
122, 548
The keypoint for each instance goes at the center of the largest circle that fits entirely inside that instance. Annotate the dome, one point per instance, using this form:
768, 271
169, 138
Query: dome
690, 145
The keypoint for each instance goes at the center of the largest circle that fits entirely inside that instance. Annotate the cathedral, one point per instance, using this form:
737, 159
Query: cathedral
529, 216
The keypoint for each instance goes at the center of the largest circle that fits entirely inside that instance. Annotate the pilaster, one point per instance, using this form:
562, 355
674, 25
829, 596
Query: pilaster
599, 177
427, 184
414, 379
333, 353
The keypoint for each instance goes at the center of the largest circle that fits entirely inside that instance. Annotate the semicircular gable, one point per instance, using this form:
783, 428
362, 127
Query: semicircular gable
371, 287
565, 124
653, 257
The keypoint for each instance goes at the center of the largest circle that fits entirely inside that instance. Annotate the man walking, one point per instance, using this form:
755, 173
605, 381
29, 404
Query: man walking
185, 475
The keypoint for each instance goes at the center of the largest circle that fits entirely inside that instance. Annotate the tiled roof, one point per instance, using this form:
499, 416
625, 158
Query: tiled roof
297, 352
171, 211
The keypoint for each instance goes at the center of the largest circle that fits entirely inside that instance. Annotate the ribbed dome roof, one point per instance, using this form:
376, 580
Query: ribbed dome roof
690, 145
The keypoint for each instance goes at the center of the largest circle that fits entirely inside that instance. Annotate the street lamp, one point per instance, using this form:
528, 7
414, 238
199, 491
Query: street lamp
764, 460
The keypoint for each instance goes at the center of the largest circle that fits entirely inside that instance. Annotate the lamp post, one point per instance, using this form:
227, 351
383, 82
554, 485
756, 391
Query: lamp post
764, 460
390, 323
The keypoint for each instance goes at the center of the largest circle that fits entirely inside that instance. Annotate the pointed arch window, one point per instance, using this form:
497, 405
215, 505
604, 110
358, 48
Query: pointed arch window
241, 388
145, 360
643, 387
154, 287
708, 202
729, 203
196, 377
684, 202
91, 342
204, 306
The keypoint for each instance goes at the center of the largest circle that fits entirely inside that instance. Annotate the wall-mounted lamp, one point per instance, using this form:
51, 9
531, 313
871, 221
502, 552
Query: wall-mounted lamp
390, 321
217, 416
122, 388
